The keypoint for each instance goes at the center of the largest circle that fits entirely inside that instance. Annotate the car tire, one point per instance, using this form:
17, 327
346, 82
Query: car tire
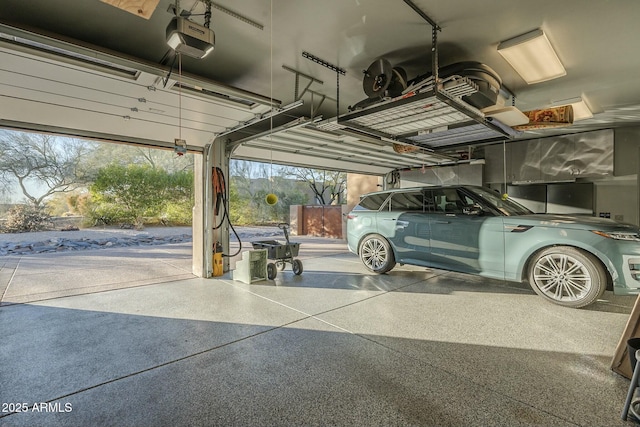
376, 254
567, 276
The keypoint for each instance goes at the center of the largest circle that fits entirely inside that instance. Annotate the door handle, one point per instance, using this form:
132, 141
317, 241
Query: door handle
389, 219
442, 222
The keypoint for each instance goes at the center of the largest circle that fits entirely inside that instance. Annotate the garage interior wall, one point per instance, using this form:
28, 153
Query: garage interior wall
623, 193
358, 184
615, 195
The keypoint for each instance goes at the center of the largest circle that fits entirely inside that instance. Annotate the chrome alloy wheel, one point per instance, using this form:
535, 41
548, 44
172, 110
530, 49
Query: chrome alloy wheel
376, 254
562, 277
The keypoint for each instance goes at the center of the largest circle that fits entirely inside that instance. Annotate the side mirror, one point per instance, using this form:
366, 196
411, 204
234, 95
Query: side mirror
474, 210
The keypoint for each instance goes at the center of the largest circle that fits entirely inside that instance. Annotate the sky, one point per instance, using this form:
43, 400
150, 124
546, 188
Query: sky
15, 192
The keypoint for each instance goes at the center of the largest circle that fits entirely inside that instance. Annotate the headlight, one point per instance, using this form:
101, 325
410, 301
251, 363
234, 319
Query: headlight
630, 236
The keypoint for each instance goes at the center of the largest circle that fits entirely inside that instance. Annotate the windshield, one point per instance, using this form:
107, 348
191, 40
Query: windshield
507, 206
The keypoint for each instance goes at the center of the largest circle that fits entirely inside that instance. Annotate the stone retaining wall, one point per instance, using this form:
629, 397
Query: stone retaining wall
60, 244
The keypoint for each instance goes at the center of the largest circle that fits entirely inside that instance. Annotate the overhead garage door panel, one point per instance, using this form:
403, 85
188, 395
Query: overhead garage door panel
32, 79
111, 126
50, 93
312, 147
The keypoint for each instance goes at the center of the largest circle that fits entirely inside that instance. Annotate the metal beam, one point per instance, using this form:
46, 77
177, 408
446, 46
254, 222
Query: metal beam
324, 63
423, 15
264, 117
301, 121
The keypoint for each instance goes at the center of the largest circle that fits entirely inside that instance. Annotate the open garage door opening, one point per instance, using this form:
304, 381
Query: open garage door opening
92, 215
80, 216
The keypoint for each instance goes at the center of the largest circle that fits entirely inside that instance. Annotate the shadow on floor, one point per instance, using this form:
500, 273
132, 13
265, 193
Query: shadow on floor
128, 369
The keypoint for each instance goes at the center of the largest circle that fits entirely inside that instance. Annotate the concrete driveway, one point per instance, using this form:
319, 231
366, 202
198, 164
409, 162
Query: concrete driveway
41, 276
36, 277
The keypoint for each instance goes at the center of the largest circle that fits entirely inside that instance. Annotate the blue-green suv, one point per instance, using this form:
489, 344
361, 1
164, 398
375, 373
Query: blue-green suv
569, 260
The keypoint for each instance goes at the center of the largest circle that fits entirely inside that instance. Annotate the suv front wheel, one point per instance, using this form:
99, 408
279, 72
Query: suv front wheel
376, 254
567, 276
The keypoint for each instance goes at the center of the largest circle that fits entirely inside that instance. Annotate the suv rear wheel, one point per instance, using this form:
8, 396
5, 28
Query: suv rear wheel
567, 276
376, 254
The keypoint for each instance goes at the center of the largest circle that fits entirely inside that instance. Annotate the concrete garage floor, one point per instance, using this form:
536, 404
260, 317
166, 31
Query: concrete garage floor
333, 346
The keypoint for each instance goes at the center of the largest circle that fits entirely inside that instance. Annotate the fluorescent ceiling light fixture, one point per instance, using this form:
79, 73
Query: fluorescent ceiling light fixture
581, 110
533, 57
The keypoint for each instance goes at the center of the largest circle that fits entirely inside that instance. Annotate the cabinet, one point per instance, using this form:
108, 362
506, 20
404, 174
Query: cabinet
495, 163
525, 162
558, 159
553, 159
462, 174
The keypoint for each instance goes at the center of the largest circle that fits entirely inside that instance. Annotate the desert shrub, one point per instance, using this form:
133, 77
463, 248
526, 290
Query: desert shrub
108, 214
25, 218
79, 203
178, 213
137, 194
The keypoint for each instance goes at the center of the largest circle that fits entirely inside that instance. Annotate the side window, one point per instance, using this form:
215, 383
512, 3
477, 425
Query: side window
467, 201
371, 202
429, 202
450, 200
412, 201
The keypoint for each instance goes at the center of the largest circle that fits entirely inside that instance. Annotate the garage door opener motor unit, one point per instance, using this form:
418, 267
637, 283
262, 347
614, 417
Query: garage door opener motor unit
187, 37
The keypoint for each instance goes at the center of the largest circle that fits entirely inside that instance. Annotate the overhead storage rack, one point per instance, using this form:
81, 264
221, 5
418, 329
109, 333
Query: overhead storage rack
430, 114
433, 116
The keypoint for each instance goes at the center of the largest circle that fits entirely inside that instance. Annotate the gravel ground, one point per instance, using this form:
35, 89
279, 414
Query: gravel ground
107, 232
92, 233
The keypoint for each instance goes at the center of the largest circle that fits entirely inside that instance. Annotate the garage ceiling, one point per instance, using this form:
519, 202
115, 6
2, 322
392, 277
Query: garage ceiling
259, 57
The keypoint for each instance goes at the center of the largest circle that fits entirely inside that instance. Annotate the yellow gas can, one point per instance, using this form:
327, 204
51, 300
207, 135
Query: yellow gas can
218, 269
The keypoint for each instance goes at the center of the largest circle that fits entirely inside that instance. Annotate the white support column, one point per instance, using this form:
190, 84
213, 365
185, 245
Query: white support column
204, 219
198, 266
219, 158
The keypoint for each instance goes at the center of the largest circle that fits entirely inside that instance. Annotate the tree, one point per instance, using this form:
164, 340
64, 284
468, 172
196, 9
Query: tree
322, 182
42, 164
249, 184
133, 192
129, 154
